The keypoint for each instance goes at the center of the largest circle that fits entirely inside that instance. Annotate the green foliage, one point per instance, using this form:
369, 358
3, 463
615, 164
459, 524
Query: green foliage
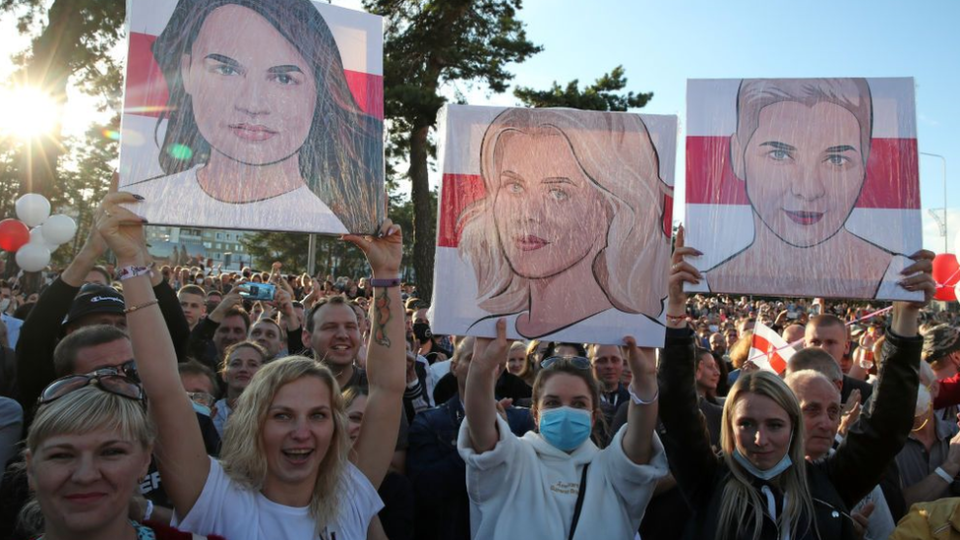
602, 95
429, 44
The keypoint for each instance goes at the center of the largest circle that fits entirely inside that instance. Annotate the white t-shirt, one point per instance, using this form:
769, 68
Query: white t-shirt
178, 199
237, 513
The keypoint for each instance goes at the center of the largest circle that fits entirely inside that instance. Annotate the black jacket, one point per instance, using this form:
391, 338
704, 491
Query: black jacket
439, 474
837, 483
42, 330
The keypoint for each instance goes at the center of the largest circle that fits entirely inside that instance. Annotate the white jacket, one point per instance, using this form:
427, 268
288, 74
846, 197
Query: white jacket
526, 488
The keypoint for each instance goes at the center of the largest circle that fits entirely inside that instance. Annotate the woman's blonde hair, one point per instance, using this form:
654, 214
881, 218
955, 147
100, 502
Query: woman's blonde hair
741, 350
243, 456
83, 411
615, 152
740, 503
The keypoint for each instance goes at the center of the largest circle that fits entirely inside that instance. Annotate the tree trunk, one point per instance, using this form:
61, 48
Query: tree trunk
424, 238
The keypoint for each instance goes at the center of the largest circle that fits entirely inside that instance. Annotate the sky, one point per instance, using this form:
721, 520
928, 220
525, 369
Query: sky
662, 44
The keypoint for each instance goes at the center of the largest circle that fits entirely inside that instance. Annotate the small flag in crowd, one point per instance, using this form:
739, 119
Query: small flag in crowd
769, 351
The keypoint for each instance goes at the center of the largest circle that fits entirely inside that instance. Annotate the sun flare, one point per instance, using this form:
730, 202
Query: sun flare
27, 113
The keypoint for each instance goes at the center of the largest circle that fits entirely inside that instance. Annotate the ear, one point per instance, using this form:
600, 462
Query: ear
736, 157
28, 458
185, 74
305, 338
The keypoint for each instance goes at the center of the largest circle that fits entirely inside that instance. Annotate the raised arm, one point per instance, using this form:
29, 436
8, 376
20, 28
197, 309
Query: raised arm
182, 460
386, 356
882, 430
641, 417
479, 403
686, 439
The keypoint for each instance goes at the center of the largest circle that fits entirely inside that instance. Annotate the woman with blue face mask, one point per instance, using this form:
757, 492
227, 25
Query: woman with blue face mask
555, 483
760, 486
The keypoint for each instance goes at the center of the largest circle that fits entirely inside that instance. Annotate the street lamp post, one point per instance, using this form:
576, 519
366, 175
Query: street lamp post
945, 230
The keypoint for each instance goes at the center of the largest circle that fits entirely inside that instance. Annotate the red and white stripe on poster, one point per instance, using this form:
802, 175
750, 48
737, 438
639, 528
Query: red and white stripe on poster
358, 35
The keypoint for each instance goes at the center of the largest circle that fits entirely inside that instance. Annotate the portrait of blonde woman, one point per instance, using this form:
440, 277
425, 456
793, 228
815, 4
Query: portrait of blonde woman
571, 221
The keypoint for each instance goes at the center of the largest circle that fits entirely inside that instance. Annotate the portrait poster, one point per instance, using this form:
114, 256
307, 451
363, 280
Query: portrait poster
803, 187
557, 220
255, 115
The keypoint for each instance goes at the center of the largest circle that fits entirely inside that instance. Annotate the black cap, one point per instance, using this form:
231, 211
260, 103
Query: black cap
95, 299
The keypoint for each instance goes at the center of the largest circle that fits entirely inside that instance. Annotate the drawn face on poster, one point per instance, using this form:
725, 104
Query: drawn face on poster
808, 200
561, 231
262, 127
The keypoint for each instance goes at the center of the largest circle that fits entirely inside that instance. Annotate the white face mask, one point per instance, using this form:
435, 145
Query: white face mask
924, 401
4, 304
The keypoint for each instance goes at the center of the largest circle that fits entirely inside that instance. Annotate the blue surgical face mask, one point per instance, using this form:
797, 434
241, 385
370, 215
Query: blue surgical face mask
202, 409
565, 428
784, 464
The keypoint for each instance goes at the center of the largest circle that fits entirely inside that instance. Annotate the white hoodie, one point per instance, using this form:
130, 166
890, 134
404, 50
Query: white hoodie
526, 488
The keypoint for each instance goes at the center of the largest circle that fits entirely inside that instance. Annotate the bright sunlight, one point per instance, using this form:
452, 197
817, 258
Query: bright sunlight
27, 113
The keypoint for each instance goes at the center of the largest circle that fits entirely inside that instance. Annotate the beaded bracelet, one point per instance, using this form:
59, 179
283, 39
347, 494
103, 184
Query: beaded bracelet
131, 309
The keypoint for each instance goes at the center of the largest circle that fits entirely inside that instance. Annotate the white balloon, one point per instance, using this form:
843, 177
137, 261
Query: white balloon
36, 236
33, 209
33, 257
59, 229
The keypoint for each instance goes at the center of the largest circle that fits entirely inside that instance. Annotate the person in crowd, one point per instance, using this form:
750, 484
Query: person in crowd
201, 385
268, 334
8, 365
525, 486
516, 357
793, 334
935, 520
397, 515
193, 302
297, 480
739, 358
941, 349
88, 446
707, 375
213, 300
930, 460
760, 485
828, 332
820, 405
434, 466
64, 308
11, 428
532, 364
241, 361
718, 345
607, 363
222, 327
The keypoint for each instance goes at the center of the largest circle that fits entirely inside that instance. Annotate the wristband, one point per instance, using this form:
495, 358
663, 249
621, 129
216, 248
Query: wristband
149, 511
131, 309
128, 272
394, 282
944, 475
637, 401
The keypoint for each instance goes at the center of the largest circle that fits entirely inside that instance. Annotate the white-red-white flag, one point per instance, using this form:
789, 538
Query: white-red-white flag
769, 351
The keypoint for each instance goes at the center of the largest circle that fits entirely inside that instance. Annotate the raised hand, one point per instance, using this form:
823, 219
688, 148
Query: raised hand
384, 252
681, 272
121, 229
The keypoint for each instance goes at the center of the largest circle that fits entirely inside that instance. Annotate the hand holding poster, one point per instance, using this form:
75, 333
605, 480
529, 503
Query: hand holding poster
254, 114
558, 220
803, 187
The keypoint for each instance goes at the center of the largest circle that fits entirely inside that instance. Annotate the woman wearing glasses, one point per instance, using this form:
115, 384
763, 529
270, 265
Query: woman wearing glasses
87, 450
556, 483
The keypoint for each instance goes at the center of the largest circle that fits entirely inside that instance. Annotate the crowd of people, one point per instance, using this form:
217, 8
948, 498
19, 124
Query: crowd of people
144, 400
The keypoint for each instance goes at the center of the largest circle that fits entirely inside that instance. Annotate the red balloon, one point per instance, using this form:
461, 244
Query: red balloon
13, 235
946, 272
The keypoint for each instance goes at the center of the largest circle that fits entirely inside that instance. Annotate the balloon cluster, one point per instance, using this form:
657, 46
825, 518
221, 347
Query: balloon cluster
36, 234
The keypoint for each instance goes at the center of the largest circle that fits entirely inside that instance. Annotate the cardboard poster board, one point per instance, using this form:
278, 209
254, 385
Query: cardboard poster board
258, 115
556, 219
803, 187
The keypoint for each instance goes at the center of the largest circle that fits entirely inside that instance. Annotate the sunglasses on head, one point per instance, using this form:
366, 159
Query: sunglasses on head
577, 362
127, 369
108, 379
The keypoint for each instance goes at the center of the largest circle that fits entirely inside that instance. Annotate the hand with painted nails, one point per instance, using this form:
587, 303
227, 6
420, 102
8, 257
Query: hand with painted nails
681, 272
121, 229
384, 252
